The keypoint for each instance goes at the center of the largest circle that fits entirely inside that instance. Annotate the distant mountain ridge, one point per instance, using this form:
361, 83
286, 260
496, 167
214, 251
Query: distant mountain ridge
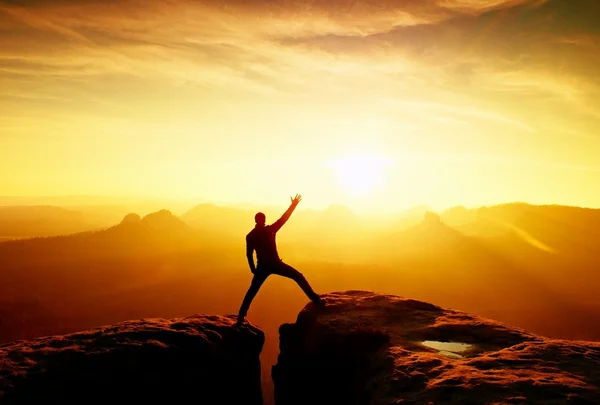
543, 227
158, 231
227, 219
42, 220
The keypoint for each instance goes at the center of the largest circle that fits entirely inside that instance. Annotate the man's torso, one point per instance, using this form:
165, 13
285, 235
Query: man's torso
263, 241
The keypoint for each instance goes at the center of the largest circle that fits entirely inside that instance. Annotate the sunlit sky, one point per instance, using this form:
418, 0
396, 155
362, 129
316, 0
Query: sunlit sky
440, 102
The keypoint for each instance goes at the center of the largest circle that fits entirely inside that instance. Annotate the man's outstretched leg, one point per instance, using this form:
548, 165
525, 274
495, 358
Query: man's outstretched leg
288, 271
257, 282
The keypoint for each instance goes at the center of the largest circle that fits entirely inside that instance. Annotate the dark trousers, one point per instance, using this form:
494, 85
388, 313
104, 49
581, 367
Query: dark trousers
281, 269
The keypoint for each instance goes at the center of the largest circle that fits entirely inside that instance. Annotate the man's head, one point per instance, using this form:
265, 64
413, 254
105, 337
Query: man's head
260, 219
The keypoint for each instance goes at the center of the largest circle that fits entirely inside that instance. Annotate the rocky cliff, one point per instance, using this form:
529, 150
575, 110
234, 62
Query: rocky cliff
367, 348
198, 359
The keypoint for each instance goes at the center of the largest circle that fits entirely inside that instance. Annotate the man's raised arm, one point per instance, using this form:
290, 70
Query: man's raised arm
286, 215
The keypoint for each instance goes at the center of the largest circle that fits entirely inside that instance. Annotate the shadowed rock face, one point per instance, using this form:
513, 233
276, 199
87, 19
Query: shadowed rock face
198, 359
366, 348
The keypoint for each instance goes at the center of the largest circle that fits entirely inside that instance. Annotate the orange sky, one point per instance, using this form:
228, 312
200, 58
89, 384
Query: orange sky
467, 102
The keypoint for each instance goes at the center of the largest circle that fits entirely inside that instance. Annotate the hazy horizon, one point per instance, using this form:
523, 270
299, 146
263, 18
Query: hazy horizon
180, 205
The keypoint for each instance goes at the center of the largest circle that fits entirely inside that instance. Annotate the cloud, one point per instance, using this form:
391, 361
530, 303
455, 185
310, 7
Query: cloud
437, 52
505, 80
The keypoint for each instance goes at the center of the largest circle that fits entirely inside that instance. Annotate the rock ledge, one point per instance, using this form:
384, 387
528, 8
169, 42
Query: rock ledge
203, 359
367, 348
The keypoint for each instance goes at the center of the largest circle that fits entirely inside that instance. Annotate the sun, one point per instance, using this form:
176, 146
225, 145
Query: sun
361, 175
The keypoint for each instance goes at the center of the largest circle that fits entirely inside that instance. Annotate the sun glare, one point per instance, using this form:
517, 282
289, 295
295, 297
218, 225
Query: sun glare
361, 174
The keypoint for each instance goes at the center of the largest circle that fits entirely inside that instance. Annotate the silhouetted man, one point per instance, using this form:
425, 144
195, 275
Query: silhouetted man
262, 239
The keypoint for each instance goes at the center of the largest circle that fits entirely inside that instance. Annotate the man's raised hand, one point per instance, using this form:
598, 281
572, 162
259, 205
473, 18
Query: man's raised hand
296, 200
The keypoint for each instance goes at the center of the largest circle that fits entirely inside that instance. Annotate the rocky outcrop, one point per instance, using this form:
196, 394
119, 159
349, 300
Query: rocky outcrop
367, 348
132, 218
198, 359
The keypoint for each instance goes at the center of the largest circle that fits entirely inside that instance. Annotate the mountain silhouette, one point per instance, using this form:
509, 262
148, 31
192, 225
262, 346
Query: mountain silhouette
338, 215
159, 231
131, 219
572, 230
328, 221
226, 219
408, 217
